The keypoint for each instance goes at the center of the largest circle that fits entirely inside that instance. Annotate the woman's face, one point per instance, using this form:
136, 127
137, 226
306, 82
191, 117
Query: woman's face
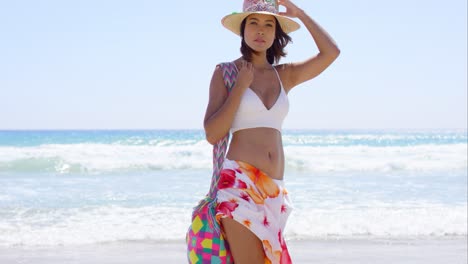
259, 31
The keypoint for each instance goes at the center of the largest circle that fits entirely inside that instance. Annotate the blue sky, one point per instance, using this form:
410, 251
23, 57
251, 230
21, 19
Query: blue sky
147, 64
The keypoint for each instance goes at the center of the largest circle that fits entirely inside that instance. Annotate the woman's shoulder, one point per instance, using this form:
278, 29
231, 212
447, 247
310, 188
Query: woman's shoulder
284, 71
223, 68
236, 61
228, 65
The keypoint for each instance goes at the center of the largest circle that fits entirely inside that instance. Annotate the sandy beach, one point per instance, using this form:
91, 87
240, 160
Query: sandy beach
443, 251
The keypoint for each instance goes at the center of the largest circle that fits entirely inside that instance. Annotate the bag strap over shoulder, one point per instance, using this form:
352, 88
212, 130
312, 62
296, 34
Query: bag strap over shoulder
229, 70
229, 74
219, 151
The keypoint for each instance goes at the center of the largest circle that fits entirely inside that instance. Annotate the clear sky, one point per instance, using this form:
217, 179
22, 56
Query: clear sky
137, 64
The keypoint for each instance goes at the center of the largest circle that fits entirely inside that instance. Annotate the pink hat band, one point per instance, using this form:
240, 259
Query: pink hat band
258, 6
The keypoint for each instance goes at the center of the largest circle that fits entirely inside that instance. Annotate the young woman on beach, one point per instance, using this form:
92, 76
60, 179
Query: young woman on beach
252, 203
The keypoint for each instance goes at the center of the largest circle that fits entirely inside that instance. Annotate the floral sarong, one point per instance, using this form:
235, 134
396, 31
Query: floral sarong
259, 203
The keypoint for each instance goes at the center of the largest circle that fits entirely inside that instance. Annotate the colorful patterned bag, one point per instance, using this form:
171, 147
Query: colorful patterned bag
205, 241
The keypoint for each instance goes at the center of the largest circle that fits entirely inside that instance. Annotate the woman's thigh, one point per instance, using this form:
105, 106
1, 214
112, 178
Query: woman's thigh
245, 246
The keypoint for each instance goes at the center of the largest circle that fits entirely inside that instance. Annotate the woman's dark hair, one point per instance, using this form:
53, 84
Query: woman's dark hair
275, 52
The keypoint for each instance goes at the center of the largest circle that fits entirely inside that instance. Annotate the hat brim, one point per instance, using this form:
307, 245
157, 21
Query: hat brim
233, 21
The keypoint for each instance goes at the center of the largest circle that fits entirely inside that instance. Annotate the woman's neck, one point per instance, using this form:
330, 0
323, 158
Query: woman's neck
260, 61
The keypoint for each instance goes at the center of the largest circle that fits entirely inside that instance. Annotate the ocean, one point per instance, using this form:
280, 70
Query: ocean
88, 187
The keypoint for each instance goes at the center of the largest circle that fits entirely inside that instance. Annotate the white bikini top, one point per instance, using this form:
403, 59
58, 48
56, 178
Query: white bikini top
253, 113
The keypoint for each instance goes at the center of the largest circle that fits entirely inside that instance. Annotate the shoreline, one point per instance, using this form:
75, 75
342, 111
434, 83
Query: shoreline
349, 251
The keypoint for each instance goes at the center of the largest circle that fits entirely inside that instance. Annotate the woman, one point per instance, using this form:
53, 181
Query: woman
252, 202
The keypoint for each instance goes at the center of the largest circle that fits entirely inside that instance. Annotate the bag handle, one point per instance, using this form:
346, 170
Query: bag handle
229, 70
219, 149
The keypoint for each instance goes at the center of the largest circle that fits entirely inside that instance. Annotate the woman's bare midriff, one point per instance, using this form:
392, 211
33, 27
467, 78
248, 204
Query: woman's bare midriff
260, 147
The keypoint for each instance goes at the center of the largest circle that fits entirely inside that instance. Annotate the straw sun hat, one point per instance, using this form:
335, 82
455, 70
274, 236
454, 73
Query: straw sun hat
267, 7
